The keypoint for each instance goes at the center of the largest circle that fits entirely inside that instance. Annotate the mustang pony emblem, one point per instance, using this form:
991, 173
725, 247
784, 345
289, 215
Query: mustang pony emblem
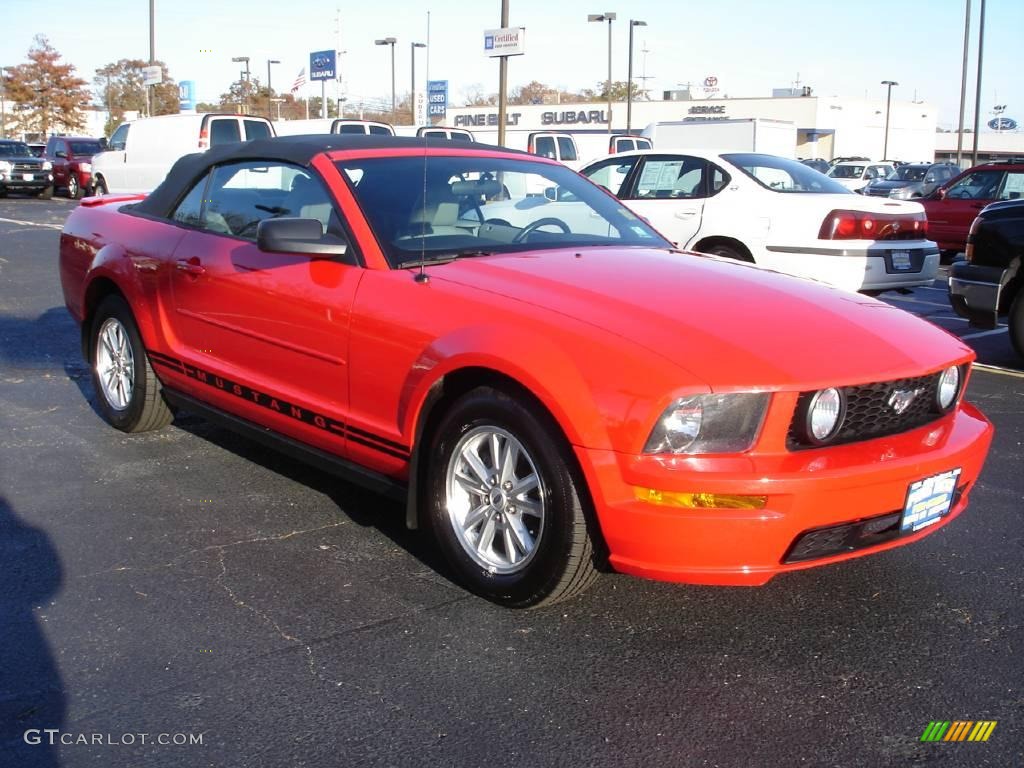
901, 399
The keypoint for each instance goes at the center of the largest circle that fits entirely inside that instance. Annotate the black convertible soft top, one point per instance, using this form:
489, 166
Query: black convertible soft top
299, 150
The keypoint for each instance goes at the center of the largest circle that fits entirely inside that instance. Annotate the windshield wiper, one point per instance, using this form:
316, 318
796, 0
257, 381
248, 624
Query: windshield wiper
443, 258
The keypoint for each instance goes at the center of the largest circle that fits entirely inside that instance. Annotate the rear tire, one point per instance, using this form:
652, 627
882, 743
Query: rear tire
1015, 321
127, 390
46, 194
538, 549
728, 252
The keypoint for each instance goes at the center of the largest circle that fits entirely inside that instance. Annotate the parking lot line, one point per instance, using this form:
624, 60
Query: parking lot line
917, 301
31, 224
979, 334
998, 369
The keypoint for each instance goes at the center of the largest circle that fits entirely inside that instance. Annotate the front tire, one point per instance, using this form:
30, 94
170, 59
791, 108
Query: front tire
74, 188
728, 252
99, 187
505, 503
1015, 321
127, 390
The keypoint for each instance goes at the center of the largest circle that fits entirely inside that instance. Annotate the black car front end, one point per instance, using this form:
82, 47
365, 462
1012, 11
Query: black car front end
21, 172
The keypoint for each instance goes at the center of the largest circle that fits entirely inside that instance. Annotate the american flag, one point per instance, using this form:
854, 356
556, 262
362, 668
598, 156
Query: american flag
300, 80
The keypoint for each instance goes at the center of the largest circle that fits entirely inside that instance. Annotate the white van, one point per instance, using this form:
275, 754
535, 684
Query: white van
141, 152
343, 125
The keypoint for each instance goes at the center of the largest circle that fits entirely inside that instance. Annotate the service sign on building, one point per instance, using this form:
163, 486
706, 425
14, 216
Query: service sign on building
437, 98
510, 41
322, 65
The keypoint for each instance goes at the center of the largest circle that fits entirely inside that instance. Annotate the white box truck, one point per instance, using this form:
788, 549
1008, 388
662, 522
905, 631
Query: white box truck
770, 137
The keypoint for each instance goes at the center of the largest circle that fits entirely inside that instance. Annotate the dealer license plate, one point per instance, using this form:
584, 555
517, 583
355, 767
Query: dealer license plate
928, 501
900, 259
27, 176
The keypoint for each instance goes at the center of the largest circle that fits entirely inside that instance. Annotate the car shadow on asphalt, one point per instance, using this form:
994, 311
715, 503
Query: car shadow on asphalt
31, 690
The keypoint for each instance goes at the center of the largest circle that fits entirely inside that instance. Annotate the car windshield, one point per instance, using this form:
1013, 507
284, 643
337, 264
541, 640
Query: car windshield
846, 171
436, 208
14, 149
85, 147
908, 173
782, 175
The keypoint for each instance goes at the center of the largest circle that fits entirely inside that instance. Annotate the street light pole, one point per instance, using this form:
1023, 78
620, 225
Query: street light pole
245, 85
270, 91
412, 92
888, 102
629, 80
977, 95
609, 17
3, 104
503, 81
390, 41
963, 87
152, 54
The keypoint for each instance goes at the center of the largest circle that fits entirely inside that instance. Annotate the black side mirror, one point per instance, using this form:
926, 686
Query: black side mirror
551, 193
294, 235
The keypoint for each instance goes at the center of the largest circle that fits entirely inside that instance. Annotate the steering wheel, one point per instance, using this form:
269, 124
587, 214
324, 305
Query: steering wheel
535, 225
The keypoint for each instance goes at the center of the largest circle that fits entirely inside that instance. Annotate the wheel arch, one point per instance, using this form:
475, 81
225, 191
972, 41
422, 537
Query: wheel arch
731, 242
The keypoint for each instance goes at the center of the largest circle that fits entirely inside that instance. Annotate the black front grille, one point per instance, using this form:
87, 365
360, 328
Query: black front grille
876, 192
27, 167
869, 412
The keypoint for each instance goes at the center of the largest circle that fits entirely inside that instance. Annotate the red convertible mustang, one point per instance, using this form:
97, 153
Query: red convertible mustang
544, 380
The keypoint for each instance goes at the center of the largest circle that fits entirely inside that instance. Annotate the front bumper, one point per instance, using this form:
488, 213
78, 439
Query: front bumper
17, 182
974, 292
857, 268
806, 490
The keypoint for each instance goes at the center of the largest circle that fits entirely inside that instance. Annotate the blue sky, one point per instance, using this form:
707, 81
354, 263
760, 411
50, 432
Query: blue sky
842, 49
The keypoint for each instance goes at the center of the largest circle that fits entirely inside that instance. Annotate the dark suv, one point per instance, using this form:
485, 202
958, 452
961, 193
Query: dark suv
72, 163
20, 171
990, 284
912, 180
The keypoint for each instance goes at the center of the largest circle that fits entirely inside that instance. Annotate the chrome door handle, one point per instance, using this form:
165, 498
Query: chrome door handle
191, 266
685, 214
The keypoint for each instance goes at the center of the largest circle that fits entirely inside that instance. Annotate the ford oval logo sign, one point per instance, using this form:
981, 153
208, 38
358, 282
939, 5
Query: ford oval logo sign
1003, 124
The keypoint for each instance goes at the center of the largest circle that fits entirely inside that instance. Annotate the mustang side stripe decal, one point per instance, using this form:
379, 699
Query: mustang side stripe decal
279, 405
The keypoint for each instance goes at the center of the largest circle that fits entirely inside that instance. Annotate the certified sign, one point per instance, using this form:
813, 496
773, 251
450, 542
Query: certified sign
152, 75
322, 65
437, 98
510, 41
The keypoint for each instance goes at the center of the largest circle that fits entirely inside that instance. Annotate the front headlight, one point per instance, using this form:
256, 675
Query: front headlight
87, 167
5, 166
900, 193
47, 165
949, 388
727, 423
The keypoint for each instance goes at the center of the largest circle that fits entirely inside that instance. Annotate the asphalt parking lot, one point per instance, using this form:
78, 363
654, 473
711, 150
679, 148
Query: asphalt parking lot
189, 582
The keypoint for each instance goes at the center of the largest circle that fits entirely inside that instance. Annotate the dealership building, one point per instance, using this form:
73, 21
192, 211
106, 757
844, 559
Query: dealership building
826, 127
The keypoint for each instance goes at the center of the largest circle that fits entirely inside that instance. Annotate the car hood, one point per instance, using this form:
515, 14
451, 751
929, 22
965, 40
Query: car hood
895, 184
26, 159
731, 325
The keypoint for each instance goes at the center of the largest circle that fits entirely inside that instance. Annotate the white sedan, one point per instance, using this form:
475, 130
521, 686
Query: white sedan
776, 213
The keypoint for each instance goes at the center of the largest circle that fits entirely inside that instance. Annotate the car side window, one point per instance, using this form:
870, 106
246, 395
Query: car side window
545, 146
380, 130
189, 210
674, 178
980, 185
567, 149
1012, 187
119, 138
241, 195
612, 174
256, 129
719, 179
224, 130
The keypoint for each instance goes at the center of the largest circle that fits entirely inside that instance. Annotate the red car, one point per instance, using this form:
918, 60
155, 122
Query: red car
544, 380
953, 207
72, 163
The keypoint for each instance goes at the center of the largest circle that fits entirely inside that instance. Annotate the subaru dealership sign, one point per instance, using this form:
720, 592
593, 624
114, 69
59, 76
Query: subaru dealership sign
437, 98
322, 65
